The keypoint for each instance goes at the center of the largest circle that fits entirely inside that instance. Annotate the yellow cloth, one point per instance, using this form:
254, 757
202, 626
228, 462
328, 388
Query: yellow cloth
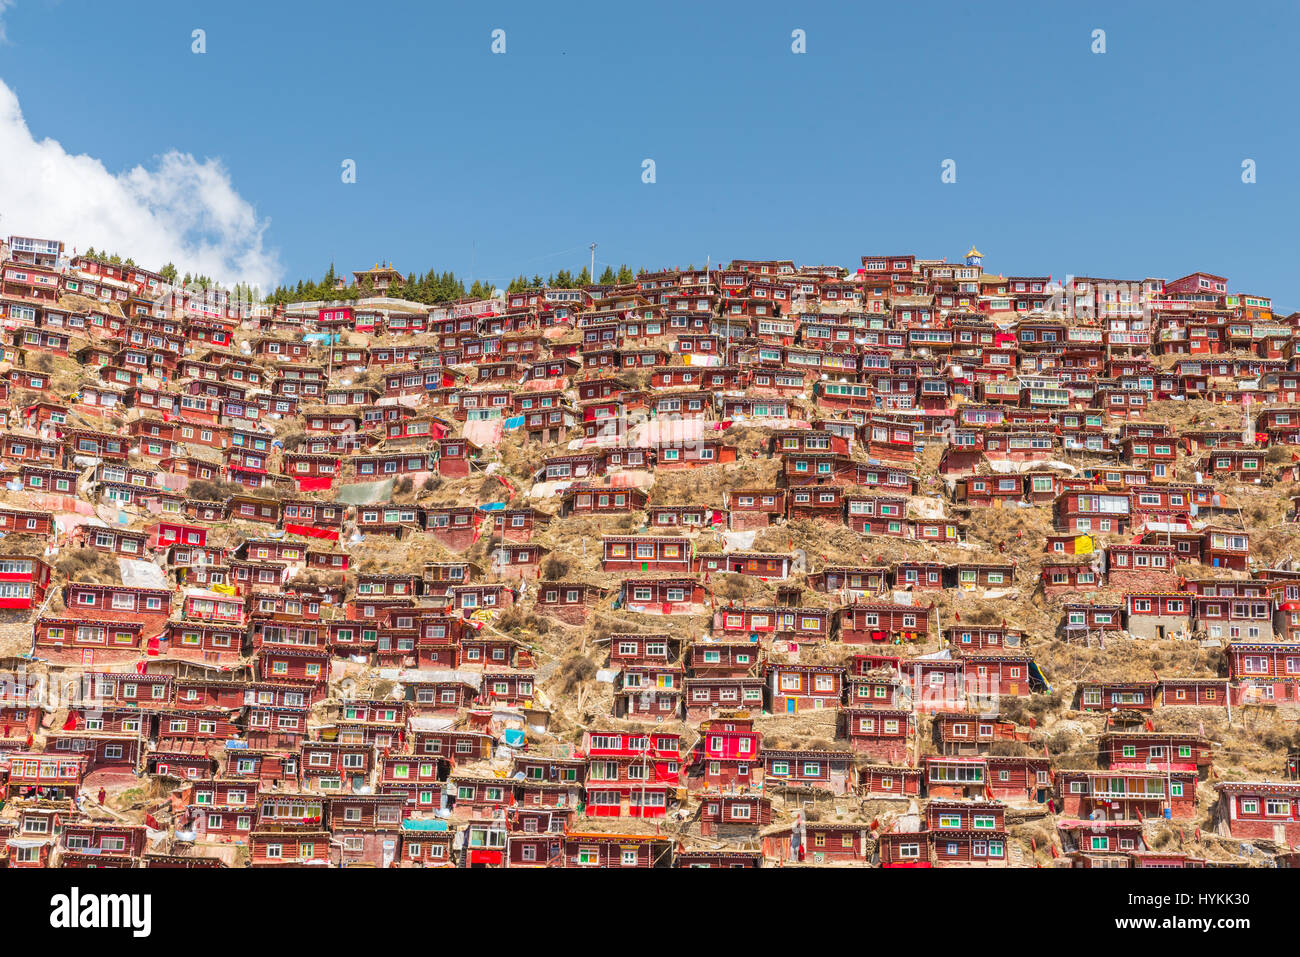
1083, 545
224, 589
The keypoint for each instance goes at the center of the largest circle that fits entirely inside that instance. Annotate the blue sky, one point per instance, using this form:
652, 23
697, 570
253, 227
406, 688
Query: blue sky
1122, 164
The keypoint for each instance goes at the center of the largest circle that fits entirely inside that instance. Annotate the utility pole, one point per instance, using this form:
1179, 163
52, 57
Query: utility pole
593, 263
645, 771
708, 286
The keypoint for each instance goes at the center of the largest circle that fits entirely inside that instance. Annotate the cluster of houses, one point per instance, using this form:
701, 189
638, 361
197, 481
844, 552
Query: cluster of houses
272, 568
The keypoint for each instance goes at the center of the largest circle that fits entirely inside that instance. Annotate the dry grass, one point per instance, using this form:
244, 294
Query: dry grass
88, 565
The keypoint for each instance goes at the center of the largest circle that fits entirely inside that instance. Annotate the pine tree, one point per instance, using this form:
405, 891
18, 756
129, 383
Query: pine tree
607, 278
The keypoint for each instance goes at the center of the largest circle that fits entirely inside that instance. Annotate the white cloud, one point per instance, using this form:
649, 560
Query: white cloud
182, 211
4, 5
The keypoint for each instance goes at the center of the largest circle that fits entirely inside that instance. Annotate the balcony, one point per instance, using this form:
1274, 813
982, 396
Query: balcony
1105, 794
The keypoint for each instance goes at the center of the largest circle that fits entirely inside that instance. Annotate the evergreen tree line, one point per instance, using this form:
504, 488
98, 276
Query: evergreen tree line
566, 280
432, 287
435, 287
114, 259
172, 275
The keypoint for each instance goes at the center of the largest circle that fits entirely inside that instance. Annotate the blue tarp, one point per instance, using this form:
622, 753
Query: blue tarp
1036, 675
410, 825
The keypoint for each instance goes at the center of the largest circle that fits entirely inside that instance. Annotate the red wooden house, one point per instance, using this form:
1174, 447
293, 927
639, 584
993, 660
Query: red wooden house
887, 780
819, 842
727, 754
809, 770
720, 696
796, 625
731, 815
631, 773
646, 553
1127, 795
600, 500
1175, 751
967, 834
1264, 672
1018, 778
24, 581
865, 622
93, 844
571, 602
797, 687
1107, 695
1259, 810
662, 596
365, 829
658, 648
42, 776
754, 507
297, 846
1192, 692
723, 659
609, 850
883, 733
1141, 567
649, 692
970, 732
